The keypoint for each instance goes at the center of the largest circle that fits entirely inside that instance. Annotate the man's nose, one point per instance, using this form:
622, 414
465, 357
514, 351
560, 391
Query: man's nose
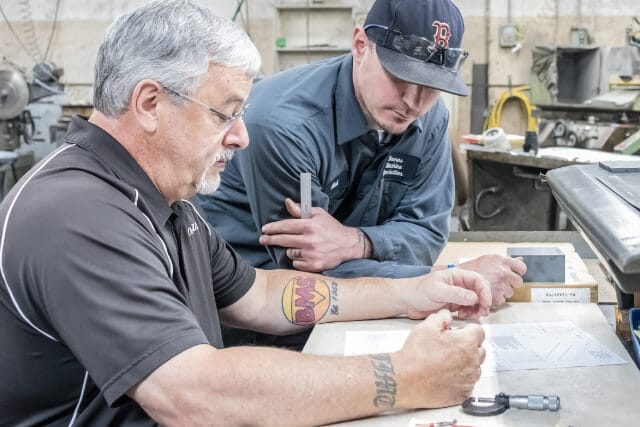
237, 137
414, 96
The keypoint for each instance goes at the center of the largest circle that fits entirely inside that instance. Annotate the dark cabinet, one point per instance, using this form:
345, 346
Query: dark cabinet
509, 192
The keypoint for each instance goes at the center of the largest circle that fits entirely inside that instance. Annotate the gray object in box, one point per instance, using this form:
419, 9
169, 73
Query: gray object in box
543, 264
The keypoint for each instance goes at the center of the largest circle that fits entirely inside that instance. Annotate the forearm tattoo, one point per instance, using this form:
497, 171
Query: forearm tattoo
386, 386
334, 299
305, 300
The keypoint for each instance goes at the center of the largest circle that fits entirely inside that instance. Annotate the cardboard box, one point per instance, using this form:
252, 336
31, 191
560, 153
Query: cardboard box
555, 292
579, 285
623, 327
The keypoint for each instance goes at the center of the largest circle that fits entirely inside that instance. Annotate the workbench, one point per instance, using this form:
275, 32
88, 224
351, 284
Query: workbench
590, 396
508, 190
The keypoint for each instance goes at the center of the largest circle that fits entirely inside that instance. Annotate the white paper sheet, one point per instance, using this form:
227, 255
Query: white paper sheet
373, 342
514, 346
545, 345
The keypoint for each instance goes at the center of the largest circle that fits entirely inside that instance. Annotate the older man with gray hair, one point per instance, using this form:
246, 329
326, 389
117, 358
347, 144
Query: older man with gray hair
113, 289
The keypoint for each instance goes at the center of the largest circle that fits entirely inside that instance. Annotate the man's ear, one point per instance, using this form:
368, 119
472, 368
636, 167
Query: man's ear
359, 43
144, 104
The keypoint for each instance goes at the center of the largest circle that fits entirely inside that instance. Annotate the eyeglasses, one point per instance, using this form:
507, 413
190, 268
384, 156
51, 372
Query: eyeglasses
417, 47
227, 121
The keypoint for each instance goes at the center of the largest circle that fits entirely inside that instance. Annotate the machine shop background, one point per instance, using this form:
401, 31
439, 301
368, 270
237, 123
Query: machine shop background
51, 45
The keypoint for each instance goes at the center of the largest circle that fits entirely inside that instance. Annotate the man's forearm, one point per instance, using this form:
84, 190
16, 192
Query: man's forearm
262, 386
436, 367
360, 246
296, 300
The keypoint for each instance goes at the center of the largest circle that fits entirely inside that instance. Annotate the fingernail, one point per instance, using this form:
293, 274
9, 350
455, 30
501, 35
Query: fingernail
261, 240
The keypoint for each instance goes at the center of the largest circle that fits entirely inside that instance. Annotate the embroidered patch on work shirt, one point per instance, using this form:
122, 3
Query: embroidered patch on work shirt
336, 187
400, 167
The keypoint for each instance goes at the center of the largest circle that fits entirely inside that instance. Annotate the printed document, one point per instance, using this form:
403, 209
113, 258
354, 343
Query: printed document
509, 347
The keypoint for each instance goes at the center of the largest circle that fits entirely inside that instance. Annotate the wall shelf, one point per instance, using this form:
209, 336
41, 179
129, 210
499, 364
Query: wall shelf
325, 28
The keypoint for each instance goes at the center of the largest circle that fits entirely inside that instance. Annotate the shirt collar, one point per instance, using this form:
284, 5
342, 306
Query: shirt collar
350, 121
115, 158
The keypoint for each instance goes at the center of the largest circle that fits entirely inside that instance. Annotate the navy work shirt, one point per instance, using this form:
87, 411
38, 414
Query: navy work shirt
399, 192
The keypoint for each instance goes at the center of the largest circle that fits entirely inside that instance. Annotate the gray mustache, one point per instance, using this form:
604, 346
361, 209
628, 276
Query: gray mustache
225, 156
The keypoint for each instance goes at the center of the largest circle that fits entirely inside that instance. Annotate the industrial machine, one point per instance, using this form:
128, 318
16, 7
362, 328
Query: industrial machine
589, 96
16, 123
14, 119
603, 202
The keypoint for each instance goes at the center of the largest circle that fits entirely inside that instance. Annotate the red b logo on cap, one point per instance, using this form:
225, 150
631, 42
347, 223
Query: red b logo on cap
442, 35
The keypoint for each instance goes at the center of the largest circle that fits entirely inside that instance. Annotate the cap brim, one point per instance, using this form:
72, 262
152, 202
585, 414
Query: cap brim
420, 72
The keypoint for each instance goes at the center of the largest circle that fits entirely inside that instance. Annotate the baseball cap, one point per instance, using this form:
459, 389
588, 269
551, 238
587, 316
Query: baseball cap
418, 41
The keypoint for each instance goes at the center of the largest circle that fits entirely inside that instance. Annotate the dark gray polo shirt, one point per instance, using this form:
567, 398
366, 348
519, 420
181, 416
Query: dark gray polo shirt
101, 283
307, 119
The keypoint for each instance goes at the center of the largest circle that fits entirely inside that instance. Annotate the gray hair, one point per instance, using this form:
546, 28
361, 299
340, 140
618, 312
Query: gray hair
169, 41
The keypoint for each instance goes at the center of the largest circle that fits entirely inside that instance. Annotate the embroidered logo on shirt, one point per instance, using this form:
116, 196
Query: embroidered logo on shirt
192, 228
400, 167
336, 186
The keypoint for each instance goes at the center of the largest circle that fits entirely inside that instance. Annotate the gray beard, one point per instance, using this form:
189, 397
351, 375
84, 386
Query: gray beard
210, 185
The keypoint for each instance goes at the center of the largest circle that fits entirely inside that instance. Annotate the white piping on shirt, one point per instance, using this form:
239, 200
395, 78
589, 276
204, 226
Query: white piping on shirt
164, 246
84, 386
199, 216
4, 277
3, 237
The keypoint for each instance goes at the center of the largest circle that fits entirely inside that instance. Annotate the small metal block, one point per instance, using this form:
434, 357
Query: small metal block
544, 264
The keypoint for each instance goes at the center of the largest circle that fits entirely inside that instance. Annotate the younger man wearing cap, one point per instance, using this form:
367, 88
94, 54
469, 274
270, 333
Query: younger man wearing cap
371, 129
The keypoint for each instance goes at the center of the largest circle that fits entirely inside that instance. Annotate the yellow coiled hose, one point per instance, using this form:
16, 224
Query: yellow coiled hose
493, 120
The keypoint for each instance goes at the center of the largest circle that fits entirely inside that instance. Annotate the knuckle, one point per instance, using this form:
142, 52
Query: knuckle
302, 266
315, 265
